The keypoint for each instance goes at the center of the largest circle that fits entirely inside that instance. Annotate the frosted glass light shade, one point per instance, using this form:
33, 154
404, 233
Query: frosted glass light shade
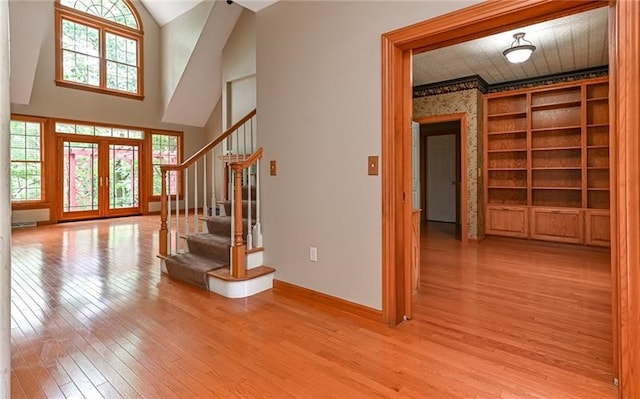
520, 50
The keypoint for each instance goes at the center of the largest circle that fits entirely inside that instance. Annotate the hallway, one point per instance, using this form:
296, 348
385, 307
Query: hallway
93, 317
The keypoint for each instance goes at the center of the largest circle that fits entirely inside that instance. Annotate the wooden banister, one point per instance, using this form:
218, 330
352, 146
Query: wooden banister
247, 162
238, 252
192, 159
165, 169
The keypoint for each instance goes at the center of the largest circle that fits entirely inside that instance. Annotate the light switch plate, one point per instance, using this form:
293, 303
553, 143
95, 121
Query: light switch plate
273, 168
373, 165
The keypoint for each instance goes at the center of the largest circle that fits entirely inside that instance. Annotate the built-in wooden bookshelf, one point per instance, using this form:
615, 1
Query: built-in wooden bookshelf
546, 162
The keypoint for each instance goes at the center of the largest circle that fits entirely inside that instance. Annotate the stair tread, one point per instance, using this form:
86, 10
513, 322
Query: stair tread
223, 219
223, 273
192, 268
196, 262
211, 238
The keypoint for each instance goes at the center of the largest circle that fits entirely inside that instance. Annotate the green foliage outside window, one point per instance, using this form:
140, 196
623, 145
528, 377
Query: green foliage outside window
164, 150
97, 54
26, 161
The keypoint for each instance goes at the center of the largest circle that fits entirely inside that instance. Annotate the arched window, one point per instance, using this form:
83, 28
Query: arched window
99, 46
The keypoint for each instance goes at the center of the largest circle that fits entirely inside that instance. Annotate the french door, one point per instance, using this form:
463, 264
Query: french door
100, 177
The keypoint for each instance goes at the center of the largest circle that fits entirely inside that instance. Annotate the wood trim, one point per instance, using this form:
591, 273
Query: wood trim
485, 19
103, 26
319, 299
481, 20
626, 59
247, 162
45, 163
461, 117
224, 274
613, 184
546, 87
149, 162
20, 206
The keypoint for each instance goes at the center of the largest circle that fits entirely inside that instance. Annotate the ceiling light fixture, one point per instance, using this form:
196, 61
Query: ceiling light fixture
520, 50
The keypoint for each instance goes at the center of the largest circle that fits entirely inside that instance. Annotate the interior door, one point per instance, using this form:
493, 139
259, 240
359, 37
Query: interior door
441, 178
100, 178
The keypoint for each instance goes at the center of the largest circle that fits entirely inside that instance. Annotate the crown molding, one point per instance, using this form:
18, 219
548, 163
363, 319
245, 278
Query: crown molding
476, 82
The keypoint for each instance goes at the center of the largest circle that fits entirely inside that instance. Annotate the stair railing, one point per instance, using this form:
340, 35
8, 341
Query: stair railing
240, 172
188, 190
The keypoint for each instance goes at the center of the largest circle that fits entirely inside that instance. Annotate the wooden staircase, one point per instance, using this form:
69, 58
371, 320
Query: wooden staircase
222, 258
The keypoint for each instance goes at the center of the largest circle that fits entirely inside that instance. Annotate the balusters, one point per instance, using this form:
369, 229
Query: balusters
186, 200
235, 149
196, 220
257, 228
170, 235
205, 209
249, 225
177, 228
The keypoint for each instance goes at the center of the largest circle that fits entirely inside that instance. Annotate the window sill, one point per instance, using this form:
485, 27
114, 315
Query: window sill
102, 90
18, 206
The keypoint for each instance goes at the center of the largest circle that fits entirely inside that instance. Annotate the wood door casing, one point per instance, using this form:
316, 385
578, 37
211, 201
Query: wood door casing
484, 19
103, 179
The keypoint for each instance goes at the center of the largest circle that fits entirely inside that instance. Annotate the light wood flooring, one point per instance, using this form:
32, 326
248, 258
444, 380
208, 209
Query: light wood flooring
92, 317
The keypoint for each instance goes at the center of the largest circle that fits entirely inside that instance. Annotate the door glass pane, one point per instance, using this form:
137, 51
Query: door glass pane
80, 176
123, 176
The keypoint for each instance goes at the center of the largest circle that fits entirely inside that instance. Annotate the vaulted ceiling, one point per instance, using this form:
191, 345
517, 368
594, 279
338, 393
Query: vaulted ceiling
164, 11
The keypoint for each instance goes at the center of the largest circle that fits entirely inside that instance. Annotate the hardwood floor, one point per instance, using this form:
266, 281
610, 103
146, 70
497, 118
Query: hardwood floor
93, 317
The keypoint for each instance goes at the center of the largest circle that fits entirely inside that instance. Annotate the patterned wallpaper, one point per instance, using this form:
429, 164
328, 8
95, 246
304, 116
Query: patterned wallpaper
470, 102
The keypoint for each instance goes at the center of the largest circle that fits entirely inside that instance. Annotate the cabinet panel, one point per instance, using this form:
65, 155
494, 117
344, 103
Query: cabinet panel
563, 225
506, 221
597, 228
546, 162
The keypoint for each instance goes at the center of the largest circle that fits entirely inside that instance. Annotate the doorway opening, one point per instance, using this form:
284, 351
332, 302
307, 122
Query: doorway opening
442, 160
440, 173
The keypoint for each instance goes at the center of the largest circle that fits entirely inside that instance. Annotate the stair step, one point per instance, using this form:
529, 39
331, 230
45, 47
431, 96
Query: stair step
210, 245
245, 207
192, 268
223, 273
254, 249
222, 225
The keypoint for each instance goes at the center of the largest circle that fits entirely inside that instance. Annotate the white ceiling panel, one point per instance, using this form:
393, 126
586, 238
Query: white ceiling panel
566, 44
164, 11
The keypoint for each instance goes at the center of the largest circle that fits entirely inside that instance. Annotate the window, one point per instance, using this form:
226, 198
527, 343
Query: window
104, 131
99, 46
26, 160
165, 150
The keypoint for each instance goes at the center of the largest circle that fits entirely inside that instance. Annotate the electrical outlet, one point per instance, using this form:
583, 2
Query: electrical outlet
313, 254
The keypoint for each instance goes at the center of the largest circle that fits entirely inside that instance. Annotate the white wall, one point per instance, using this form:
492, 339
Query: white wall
239, 70
5, 209
319, 102
178, 40
49, 100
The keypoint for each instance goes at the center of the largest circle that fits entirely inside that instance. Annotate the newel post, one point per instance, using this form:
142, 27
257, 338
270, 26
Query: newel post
238, 255
163, 215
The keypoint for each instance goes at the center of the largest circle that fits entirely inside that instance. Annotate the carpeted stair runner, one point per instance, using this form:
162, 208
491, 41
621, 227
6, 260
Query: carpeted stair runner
207, 251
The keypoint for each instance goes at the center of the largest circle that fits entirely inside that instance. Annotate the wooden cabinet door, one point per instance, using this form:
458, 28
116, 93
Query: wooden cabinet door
598, 229
557, 224
506, 221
